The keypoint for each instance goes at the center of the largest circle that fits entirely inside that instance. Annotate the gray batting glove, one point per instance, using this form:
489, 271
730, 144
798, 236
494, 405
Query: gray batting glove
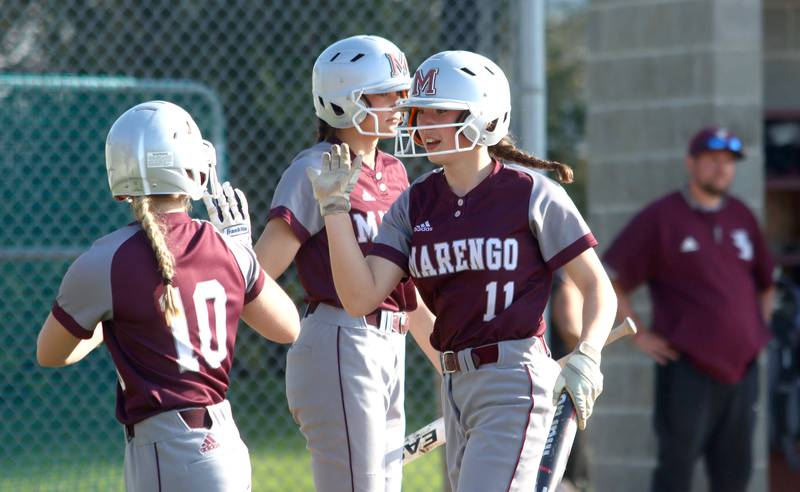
229, 214
582, 379
333, 183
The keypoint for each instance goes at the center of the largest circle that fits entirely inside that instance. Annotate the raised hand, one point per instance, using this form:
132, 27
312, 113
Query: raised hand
335, 180
229, 214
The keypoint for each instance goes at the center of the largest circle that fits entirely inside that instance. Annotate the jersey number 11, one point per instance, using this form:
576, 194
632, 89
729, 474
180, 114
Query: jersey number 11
491, 298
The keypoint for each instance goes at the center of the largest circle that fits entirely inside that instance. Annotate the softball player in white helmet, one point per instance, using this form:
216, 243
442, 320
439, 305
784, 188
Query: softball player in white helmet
345, 374
147, 290
481, 239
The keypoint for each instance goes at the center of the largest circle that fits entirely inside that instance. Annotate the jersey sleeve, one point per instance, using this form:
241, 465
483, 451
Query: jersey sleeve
556, 223
253, 274
84, 297
294, 202
624, 260
394, 235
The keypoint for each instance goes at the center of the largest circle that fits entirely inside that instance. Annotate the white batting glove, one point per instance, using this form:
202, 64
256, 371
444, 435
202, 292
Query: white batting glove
582, 379
229, 214
333, 183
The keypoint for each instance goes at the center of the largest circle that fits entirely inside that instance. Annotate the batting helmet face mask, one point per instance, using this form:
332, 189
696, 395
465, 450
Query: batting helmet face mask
155, 148
458, 80
349, 69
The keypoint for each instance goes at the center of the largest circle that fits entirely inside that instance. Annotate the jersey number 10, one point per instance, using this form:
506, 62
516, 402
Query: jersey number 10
208, 290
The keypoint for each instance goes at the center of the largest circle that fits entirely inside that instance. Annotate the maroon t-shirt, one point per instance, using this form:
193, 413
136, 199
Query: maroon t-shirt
373, 194
705, 270
162, 367
483, 262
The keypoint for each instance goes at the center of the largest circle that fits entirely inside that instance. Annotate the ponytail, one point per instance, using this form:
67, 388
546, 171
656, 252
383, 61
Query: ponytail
506, 150
155, 232
324, 131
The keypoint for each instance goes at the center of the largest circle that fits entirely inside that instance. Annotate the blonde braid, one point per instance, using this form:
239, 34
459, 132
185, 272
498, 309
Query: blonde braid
166, 262
507, 151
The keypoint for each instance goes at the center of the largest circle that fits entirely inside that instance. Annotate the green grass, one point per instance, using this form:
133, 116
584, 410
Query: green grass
274, 470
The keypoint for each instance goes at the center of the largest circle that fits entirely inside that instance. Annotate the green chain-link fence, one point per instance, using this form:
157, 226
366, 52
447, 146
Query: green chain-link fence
80, 64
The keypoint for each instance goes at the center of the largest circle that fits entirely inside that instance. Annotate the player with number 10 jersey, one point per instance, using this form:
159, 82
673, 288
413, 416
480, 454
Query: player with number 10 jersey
166, 293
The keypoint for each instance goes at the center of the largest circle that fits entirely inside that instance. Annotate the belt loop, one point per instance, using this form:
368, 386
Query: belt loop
129, 432
402, 322
543, 346
465, 360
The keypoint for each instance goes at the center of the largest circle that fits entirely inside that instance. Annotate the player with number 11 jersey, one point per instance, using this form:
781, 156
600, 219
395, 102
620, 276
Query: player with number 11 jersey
481, 237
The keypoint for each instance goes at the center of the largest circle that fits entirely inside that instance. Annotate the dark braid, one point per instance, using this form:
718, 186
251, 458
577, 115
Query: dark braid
324, 131
506, 150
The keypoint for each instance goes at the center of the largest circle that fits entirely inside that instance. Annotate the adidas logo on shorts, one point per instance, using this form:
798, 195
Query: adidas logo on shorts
209, 444
424, 227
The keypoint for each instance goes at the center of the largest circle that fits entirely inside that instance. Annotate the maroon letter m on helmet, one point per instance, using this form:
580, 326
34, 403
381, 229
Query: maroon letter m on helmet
397, 64
425, 84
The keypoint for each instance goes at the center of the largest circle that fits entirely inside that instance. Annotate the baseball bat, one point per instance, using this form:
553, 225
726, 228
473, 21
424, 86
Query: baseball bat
432, 435
562, 431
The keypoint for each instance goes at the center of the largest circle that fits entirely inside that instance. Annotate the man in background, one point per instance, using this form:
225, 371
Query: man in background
709, 273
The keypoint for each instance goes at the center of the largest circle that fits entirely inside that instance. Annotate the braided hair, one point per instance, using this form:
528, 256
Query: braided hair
154, 229
324, 131
507, 151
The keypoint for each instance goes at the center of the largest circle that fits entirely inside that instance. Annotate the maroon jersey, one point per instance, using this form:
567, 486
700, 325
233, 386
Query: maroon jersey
704, 270
483, 262
294, 202
117, 283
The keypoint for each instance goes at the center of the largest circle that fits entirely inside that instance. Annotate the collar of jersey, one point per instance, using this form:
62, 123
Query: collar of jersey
177, 218
479, 189
687, 196
172, 218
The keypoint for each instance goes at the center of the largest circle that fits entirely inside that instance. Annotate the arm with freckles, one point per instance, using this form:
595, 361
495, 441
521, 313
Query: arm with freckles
599, 299
361, 283
581, 376
276, 248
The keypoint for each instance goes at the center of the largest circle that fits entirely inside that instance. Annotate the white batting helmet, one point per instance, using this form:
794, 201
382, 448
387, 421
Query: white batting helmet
155, 148
350, 68
459, 80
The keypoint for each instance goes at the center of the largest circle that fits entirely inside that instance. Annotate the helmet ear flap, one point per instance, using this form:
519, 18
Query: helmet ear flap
470, 131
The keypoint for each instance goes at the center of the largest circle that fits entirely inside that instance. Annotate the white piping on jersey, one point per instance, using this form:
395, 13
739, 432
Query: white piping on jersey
463, 254
121, 381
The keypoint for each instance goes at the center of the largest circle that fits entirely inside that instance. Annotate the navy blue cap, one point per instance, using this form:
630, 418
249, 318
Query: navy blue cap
716, 138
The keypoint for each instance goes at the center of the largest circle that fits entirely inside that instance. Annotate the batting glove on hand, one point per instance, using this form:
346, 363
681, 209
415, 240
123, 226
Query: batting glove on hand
228, 212
582, 379
333, 183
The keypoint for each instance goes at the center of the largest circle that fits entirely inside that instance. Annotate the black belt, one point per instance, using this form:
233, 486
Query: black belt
195, 418
485, 354
377, 318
